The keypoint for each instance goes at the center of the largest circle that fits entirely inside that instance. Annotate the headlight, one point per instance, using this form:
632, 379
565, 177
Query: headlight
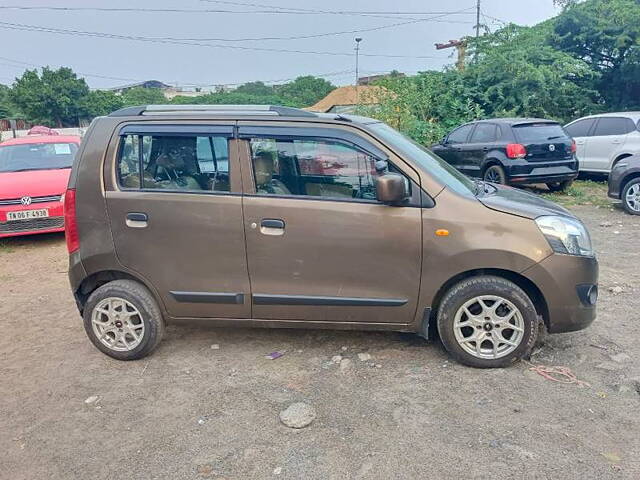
565, 235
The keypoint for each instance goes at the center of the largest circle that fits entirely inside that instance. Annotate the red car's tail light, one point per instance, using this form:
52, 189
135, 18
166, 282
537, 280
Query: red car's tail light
516, 150
70, 224
574, 148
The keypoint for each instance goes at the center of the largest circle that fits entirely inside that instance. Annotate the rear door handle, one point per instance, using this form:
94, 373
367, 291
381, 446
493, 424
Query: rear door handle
136, 220
272, 226
485, 149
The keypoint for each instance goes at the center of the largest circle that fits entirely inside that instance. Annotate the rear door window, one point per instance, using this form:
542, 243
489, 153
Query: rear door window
613, 126
539, 132
165, 162
484, 133
460, 135
581, 128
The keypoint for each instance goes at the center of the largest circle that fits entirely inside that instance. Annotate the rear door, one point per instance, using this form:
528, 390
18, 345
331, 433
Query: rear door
175, 208
545, 141
609, 136
482, 141
320, 247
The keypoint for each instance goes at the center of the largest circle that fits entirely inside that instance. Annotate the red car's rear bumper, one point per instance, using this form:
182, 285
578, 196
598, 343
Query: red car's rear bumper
54, 222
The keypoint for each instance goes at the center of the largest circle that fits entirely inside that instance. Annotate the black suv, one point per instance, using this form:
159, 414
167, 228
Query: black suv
512, 151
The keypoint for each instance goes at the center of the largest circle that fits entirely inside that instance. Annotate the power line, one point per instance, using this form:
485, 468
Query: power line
306, 11
174, 41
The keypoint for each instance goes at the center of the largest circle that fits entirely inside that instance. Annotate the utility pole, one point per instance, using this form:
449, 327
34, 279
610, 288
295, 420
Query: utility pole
461, 48
475, 57
358, 40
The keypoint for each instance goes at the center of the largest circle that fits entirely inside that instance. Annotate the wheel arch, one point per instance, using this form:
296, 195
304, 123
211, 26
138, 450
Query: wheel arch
530, 288
490, 162
620, 156
97, 279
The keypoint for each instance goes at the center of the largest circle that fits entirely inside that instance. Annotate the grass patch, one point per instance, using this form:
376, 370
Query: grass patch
581, 192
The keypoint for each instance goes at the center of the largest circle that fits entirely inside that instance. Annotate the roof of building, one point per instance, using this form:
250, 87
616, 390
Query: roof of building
143, 84
365, 95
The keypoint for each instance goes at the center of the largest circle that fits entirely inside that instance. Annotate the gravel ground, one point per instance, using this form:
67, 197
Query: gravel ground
193, 411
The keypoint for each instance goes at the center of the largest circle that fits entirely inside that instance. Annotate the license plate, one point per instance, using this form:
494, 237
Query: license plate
27, 214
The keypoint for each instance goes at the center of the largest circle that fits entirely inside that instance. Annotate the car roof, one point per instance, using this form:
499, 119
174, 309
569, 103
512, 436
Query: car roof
32, 139
235, 112
633, 115
515, 120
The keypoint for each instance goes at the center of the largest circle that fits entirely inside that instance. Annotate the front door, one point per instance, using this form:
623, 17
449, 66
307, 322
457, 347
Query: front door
320, 247
176, 217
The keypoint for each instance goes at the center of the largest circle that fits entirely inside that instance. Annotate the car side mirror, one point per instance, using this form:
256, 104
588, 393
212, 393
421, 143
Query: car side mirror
391, 189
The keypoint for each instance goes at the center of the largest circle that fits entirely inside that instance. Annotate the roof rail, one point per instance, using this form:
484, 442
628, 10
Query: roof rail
213, 109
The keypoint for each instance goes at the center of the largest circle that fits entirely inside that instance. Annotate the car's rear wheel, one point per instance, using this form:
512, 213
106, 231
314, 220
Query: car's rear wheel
122, 320
631, 197
487, 322
559, 186
495, 174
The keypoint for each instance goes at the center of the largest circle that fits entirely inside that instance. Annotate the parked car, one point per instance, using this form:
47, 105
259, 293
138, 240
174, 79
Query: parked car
624, 184
603, 140
34, 172
158, 231
512, 151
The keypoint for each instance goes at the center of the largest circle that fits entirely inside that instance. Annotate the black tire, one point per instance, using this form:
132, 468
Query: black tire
628, 208
559, 186
495, 174
140, 297
473, 287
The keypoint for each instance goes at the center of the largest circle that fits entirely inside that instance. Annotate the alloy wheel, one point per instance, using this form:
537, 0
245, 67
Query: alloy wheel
632, 197
117, 324
488, 327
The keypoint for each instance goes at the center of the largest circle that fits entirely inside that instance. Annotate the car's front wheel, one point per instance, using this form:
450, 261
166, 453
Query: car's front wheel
487, 322
122, 319
631, 196
495, 174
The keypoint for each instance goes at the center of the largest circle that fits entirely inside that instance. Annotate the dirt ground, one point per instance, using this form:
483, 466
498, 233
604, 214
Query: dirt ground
193, 411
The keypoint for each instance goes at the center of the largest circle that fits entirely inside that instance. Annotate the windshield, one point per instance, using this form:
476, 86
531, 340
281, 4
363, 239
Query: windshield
36, 156
434, 165
538, 132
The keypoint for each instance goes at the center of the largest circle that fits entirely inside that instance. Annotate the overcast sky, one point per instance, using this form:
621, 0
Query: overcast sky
169, 59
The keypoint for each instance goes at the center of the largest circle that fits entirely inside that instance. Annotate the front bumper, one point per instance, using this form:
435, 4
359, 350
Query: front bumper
53, 223
565, 281
525, 172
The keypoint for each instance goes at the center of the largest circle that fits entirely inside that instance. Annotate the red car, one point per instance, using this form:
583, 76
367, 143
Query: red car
34, 172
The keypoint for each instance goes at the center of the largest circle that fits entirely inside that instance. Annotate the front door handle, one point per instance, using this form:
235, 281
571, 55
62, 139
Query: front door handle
272, 226
136, 220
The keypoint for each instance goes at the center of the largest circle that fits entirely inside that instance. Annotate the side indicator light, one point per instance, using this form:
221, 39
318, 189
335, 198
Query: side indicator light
442, 232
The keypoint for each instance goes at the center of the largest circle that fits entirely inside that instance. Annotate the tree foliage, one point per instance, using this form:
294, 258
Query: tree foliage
605, 34
143, 96
304, 91
51, 97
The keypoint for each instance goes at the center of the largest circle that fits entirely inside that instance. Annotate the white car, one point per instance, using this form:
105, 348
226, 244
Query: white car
603, 140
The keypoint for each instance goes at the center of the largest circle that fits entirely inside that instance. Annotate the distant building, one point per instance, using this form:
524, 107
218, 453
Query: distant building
145, 84
346, 99
373, 78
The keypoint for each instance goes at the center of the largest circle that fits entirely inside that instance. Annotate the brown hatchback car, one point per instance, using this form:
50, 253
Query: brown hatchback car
278, 217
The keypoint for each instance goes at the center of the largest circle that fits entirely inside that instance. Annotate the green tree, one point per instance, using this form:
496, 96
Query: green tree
519, 74
605, 34
425, 106
255, 88
6, 109
304, 91
100, 102
143, 96
51, 97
